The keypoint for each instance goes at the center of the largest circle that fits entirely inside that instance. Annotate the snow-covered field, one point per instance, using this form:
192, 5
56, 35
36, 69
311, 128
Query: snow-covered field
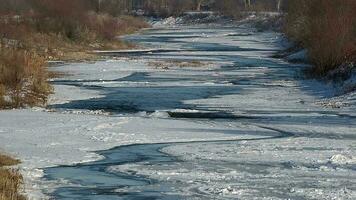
239, 125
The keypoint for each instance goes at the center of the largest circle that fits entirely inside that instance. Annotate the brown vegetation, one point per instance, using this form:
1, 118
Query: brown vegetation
327, 28
34, 31
23, 79
177, 63
10, 180
57, 32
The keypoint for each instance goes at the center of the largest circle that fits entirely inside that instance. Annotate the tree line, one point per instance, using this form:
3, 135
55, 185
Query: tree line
150, 7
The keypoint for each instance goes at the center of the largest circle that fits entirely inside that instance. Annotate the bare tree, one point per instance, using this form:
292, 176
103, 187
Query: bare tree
99, 5
279, 3
247, 3
198, 4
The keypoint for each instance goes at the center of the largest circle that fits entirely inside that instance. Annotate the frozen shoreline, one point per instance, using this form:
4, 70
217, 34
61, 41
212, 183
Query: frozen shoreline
63, 139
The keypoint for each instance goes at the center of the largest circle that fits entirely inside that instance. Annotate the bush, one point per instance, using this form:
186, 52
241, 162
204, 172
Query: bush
129, 24
10, 180
327, 28
32, 31
101, 26
23, 79
10, 183
2, 95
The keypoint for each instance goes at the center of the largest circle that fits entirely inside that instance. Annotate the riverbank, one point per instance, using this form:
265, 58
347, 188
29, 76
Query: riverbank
324, 33
42, 32
10, 179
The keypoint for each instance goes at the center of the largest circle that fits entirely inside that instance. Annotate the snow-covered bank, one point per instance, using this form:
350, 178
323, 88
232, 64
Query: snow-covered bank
191, 18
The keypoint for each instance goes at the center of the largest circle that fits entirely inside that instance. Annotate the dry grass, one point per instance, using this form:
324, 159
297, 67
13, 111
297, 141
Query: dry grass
176, 63
10, 180
7, 161
55, 74
23, 79
26, 45
51, 30
327, 28
129, 24
62, 37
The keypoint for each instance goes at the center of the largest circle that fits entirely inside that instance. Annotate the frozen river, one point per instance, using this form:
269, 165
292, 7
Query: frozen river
287, 146
209, 114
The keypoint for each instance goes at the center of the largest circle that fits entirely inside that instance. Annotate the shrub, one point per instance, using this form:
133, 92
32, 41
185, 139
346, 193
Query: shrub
129, 24
2, 95
34, 30
106, 27
327, 28
103, 26
23, 79
10, 180
7, 161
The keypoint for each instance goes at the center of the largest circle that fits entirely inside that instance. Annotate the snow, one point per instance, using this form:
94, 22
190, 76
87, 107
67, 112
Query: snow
168, 21
129, 51
272, 137
192, 18
342, 160
43, 139
243, 169
345, 95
